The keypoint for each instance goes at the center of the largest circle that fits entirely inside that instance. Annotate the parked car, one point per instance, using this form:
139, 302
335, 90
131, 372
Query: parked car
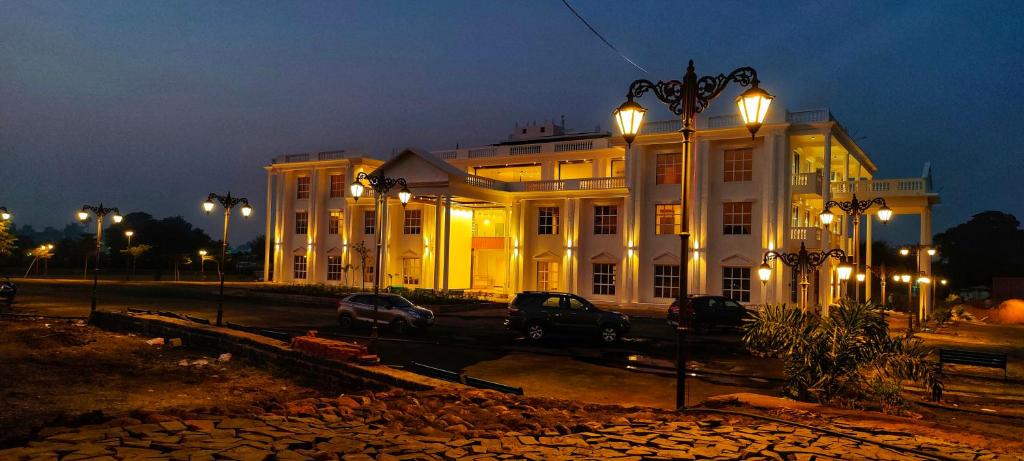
540, 313
7, 291
706, 311
392, 310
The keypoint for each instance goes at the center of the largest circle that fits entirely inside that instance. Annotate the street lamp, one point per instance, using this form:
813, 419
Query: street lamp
380, 185
128, 254
202, 259
83, 215
803, 261
228, 202
5, 214
854, 209
687, 98
917, 250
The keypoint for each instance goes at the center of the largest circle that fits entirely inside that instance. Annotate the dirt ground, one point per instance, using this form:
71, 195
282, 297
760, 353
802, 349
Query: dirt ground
63, 372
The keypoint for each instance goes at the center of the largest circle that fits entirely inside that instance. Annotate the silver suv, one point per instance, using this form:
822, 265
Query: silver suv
392, 310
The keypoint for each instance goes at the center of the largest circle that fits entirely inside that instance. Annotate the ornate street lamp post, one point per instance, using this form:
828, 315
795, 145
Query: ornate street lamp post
380, 185
854, 209
686, 99
916, 250
202, 259
804, 261
863, 277
228, 202
128, 254
83, 215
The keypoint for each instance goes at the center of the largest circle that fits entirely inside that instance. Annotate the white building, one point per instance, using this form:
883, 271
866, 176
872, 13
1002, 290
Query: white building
550, 210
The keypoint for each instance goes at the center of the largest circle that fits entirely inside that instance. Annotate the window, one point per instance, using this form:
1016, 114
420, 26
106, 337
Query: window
577, 303
369, 222
575, 169
547, 220
411, 269
666, 281
337, 185
604, 279
618, 168
738, 165
736, 218
795, 217
736, 283
334, 268
667, 219
301, 222
334, 221
606, 219
510, 173
668, 169
413, 221
302, 187
368, 274
553, 301
300, 267
547, 275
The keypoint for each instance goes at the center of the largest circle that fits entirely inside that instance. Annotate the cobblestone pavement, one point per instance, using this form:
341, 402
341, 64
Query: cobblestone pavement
478, 425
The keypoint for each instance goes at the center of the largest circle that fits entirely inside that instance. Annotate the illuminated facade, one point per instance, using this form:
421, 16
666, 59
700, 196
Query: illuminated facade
550, 210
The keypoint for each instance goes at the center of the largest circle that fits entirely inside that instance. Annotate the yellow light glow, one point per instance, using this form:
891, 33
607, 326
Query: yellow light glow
202, 252
844, 270
118, 218
629, 252
129, 233
826, 217
82, 215
404, 196
861, 277
628, 118
896, 278
357, 189
924, 279
208, 206
931, 252
246, 211
764, 272
487, 222
5, 216
904, 251
753, 105
944, 281
905, 278
884, 214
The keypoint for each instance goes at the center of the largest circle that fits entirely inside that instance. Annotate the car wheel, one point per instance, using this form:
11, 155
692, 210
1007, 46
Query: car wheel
609, 334
535, 332
399, 326
345, 321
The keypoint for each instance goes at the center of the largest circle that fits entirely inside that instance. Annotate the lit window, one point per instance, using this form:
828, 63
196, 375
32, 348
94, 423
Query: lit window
547, 276
575, 169
736, 218
618, 168
668, 169
736, 283
413, 222
666, 281
334, 268
738, 165
411, 269
337, 185
369, 222
604, 279
301, 222
302, 187
547, 220
300, 267
334, 221
606, 219
667, 219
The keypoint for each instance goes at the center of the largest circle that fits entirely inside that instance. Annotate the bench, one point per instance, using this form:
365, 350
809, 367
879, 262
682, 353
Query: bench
975, 358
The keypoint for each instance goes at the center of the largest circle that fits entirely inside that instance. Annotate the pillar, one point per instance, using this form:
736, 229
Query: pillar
437, 243
868, 219
825, 285
447, 237
925, 262
267, 244
313, 272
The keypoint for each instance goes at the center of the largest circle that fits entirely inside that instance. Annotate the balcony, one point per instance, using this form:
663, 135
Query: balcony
882, 187
810, 236
523, 149
547, 186
807, 183
315, 156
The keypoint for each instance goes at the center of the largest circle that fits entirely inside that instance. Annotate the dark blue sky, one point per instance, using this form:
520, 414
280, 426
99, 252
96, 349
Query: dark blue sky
151, 105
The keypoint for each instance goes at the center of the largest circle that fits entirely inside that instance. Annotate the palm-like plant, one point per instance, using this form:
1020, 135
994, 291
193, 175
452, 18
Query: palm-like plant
848, 357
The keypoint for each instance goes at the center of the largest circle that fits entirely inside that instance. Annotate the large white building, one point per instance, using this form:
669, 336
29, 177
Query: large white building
552, 210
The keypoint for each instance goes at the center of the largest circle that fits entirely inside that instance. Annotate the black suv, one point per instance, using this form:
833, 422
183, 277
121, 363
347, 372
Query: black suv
705, 311
537, 313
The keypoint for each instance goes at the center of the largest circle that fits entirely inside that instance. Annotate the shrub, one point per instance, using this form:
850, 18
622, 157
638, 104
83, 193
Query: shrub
847, 358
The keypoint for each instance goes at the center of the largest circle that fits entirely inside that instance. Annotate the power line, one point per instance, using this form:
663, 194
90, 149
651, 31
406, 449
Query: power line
598, 34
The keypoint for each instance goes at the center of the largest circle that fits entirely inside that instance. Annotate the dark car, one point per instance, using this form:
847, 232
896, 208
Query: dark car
7, 291
706, 311
541, 313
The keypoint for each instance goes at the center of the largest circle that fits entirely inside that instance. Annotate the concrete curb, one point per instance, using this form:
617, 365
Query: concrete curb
267, 351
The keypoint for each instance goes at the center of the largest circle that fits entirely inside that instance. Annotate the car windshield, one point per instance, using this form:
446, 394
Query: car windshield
397, 301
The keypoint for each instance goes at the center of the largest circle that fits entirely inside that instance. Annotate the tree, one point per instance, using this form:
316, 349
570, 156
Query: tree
847, 358
990, 244
363, 252
7, 239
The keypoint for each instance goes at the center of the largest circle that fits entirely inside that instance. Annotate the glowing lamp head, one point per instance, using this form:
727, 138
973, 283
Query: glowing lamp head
208, 206
246, 210
83, 215
49, 246
924, 279
628, 118
764, 272
884, 214
357, 189
904, 251
943, 281
129, 233
931, 252
753, 105
202, 252
826, 217
5, 215
404, 195
905, 278
118, 218
844, 270
861, 277
896, 278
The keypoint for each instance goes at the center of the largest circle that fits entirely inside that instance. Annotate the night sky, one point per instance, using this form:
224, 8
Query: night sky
150, 105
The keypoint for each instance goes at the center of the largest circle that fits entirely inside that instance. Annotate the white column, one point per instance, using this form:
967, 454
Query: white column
826, 285
437, 243
703, 162
447, 238
314, 273
926, 262
268, 244
282, 239
868, 219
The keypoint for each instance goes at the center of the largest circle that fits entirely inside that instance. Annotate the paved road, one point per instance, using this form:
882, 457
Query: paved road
638, 370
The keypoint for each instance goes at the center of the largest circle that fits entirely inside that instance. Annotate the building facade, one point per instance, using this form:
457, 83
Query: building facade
581, 212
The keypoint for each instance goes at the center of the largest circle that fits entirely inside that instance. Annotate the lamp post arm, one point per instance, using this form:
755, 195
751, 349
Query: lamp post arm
709, 87
670, 92
789, 259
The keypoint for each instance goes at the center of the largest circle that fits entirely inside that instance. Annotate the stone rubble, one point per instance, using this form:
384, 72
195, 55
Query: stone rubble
473, 425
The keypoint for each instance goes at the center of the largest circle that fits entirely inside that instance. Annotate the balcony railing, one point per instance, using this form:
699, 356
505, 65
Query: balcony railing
883, 187
523, 149
315, 156
548, 186
810, 236
807, 183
